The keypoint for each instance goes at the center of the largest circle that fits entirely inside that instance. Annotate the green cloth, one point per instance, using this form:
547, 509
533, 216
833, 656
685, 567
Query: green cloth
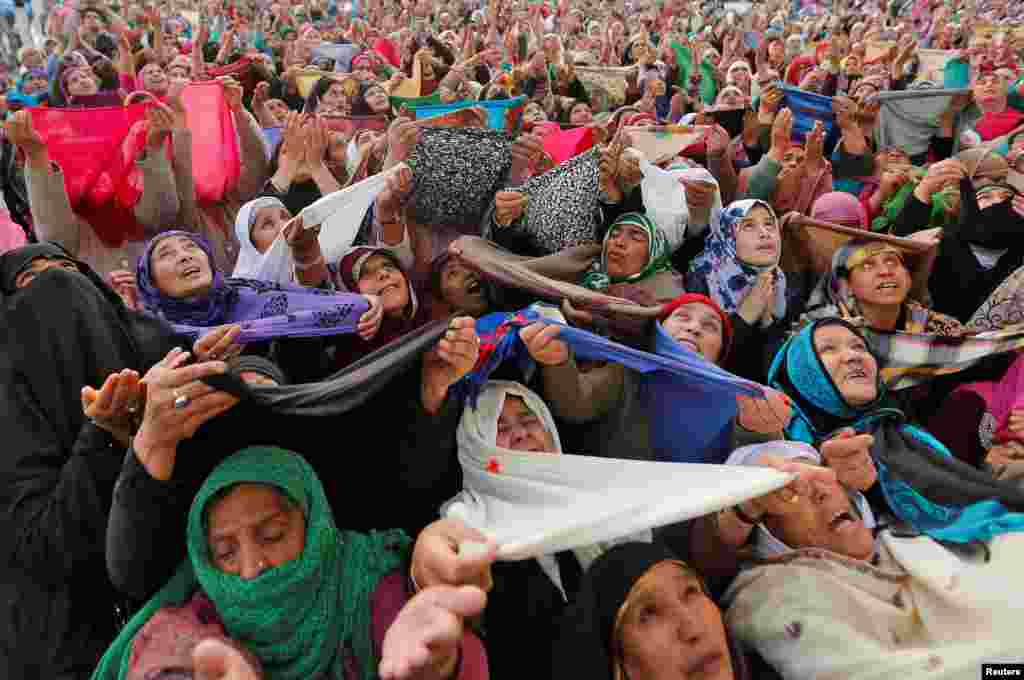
413, 103
298, 616
892, 208
659, 254
685, 59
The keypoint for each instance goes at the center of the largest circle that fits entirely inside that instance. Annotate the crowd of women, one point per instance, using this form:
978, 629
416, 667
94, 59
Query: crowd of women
513, 339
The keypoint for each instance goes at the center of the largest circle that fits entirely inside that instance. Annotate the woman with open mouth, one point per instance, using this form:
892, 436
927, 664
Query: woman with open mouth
739, 270
834, 382
178, 282
872, 281
829, 591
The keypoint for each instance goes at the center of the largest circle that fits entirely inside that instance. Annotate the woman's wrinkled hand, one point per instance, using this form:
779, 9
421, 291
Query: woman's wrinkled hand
369, 322
453, 357
849, 454
542, 341
451, 553
116, 406
424, 640
219, 344
764, 416
509, 206
178, 403
781, 502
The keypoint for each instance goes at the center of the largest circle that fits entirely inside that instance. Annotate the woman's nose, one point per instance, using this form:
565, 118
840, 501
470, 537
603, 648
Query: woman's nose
253, 564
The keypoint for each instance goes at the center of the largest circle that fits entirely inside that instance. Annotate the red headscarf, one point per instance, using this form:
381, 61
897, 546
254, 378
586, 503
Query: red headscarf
688, 298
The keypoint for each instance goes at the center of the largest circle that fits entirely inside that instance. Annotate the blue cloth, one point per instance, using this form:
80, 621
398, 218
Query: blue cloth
819, 410
808, 107
691, 402
497, 111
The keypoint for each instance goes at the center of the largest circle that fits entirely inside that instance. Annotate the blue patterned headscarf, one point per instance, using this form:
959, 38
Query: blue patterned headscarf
923, 484
265, 310
729, 278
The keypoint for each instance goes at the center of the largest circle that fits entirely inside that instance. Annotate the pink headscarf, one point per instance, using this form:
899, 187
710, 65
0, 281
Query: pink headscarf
839, 207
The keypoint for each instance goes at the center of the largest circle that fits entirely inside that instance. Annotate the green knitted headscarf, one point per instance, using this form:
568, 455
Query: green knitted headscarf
659, 253
299, 618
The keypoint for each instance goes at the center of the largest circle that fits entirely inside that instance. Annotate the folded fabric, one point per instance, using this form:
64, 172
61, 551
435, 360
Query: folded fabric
216, 158
340, 213
502, 114
665, 199
932, 65
456, 172
534, 504
691, 401
349, 125
664, 142
605, 85
341, 55
563, 207
807, 108
413, 103
550, 278
306, 79
910, 118
562, 145
345, 390
812, 243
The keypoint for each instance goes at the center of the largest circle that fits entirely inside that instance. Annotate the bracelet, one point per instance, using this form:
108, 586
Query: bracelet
744, 517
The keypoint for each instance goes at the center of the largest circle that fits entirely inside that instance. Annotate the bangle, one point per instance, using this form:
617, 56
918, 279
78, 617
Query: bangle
744, 517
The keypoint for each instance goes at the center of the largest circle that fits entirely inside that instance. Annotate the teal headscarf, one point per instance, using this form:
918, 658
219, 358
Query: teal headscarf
923, 484
659, 253
299, 618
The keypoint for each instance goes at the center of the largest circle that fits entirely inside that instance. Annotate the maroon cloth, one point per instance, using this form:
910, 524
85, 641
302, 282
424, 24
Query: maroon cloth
956, 424
389, 598
167, 640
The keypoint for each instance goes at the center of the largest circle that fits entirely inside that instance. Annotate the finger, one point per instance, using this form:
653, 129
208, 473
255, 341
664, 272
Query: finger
210, 339
106, 395
124, 393
205, 409
529, 333
463, 601
213, 660
187, 374
226, 341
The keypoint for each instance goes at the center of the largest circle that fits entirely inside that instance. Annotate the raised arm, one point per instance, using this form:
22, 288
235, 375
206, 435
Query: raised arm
47, 195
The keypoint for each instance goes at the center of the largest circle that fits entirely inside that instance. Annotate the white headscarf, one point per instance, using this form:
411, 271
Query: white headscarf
341, 213
276, 264
534, 504
765, 542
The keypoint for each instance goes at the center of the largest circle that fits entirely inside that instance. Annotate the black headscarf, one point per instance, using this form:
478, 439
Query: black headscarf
585, 643
66, 330
997, 226
13, 262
